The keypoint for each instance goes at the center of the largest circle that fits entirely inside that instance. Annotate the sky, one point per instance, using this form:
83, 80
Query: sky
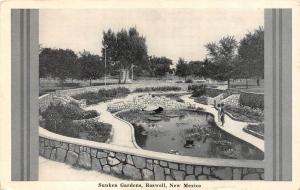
172, 33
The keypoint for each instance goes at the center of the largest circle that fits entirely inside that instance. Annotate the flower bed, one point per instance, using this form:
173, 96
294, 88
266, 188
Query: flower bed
102, 95
142, 102
245, 113
254, 100
160, 88
72, 121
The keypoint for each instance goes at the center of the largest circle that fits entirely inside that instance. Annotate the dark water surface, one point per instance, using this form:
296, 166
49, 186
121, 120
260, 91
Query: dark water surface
176, 129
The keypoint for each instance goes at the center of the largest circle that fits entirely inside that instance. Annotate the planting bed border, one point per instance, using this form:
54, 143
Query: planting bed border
140, 164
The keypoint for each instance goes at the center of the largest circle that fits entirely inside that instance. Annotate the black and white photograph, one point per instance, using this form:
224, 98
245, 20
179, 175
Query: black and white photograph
151, 97
153, 93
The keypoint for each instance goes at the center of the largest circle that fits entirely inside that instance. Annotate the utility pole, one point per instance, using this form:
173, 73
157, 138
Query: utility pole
105, 64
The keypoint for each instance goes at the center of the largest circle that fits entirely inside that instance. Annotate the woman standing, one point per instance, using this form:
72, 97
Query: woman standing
222, 115
219, 112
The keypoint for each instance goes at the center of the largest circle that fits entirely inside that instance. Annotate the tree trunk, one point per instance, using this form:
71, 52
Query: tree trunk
258, 82
120, 72
126, 72
90, 82
228, 83
247, 83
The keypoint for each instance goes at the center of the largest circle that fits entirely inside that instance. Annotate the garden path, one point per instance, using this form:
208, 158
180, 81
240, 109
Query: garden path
231, 126
122, 132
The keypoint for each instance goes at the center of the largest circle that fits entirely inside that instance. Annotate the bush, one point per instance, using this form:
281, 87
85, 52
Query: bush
72, 121
114, 92
252, 100
91, 97
197, 90
201, 100
60, 113
214, 92
245, 113
102, 95
161, 88
189, 81
90, 114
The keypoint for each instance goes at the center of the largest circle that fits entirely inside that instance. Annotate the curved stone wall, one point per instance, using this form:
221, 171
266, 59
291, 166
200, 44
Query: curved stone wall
143, 164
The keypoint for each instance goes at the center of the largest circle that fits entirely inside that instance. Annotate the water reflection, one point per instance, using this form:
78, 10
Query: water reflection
188, 133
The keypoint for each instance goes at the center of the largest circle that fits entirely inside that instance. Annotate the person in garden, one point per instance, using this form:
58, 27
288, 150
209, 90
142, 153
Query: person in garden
222, 115
219, 111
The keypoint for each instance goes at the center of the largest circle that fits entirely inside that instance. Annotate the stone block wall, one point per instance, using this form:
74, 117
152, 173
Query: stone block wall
130, 166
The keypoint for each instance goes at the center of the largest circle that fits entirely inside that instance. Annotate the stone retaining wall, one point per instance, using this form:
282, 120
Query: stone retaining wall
136, 167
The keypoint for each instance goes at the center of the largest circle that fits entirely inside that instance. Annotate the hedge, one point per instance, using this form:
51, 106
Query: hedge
198, 90
160, 88
102, 95
253, 100
213, 92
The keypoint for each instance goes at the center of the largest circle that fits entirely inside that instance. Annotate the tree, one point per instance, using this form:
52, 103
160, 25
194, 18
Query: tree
125, 49
198, 68
160, 66
91, 66
222, 58
251, 55
56, 63
182, 68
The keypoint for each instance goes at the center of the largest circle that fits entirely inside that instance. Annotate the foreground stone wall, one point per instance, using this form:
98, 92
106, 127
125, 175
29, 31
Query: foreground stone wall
135, 167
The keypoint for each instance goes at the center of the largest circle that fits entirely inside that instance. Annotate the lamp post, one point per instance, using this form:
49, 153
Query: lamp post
132, 71
105, 46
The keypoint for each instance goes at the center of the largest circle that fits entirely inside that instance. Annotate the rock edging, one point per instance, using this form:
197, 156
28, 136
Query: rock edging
135, 167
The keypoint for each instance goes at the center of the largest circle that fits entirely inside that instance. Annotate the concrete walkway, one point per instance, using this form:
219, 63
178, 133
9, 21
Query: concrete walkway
122, 132
231, 126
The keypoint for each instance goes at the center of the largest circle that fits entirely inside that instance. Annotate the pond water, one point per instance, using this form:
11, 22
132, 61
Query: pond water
186, 132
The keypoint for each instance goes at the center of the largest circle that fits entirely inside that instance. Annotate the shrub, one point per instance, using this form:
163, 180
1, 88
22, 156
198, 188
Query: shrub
160, 88
214, 92
114, 92
197, 90
252, 100
189, 81
90, 114
72, 121
60, 113
102, 95
245, 113
91, 97
201, 100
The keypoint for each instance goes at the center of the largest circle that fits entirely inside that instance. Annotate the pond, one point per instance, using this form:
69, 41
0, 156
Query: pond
187, 132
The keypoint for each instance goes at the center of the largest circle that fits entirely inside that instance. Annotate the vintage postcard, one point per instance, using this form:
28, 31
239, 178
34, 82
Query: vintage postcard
140, 95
